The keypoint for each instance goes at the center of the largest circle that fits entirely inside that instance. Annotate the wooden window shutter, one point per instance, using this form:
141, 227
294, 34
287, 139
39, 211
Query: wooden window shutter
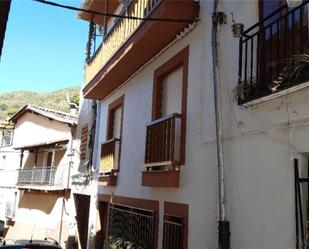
172, 92
84, 141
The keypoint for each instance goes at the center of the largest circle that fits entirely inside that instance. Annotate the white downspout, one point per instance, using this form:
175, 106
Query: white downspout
223, 225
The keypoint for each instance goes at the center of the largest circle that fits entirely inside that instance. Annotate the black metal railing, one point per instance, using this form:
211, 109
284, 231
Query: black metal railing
301, 188
267, 53
131, 226
173, 230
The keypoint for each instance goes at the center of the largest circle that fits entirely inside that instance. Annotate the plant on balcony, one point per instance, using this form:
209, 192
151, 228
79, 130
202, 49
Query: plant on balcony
301, 65
296, 69
242, 90
120, 242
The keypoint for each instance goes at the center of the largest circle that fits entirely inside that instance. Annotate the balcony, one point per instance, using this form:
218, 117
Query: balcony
164, 152
109, 165
272, 55
129, 44
43, 178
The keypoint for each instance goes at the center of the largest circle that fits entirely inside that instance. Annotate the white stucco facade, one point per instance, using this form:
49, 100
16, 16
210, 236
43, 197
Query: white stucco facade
260, 143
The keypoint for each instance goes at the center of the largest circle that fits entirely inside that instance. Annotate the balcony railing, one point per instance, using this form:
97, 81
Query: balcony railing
163, 138
110, 156
268, 53
43, 176
173, 232
118, 34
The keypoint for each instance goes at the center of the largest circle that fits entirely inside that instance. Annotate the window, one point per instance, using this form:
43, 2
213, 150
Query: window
110, 150
175, 226
130, 220
84, 141
6, 137
166, 134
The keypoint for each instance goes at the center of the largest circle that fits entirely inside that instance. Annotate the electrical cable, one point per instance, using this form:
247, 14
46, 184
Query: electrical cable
115, 15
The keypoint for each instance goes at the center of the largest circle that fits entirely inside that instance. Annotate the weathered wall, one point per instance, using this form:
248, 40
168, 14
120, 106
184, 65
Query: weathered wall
39, 219
46, 130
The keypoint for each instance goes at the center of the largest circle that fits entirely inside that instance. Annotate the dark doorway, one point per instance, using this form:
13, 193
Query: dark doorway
82, 204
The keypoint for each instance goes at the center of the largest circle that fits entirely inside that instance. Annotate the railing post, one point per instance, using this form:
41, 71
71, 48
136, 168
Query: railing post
51, 176
240, 61
31, 180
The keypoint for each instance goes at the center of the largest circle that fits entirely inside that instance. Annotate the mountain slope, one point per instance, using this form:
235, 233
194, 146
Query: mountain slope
12, 101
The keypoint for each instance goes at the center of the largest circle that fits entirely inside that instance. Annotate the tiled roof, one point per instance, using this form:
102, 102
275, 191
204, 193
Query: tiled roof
49, 113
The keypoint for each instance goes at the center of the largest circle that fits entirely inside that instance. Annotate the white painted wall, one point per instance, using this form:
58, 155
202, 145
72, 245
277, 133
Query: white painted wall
32, 129
9, 164
259, 144
198, 175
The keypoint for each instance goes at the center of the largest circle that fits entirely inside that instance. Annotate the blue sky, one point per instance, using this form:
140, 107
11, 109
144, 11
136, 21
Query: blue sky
44, 47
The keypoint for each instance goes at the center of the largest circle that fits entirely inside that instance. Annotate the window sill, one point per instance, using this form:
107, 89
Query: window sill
275, 95
108, 180
167, 179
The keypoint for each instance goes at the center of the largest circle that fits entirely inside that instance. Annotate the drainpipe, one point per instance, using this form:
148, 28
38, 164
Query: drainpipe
67, 184
21, 159
92, 219
223, 225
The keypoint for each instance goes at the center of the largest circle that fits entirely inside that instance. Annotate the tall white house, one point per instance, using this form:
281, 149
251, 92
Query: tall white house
202, 133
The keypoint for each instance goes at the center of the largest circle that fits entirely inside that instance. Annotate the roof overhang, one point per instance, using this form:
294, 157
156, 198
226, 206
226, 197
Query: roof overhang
45, 144
103, 6
4, 15
143, 45
40, 111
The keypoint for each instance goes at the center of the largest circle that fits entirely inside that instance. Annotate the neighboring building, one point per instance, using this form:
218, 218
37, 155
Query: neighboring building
156, 153
9, 164
83, 186
44, 138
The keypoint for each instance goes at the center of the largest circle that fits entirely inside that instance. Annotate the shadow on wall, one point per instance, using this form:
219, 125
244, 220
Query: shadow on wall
28, 161
34, 201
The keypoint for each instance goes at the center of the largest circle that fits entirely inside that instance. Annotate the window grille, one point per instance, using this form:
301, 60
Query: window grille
173, 232
133, 225
6, 137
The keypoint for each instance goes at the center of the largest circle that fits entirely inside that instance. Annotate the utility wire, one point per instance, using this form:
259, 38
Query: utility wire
114, 15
